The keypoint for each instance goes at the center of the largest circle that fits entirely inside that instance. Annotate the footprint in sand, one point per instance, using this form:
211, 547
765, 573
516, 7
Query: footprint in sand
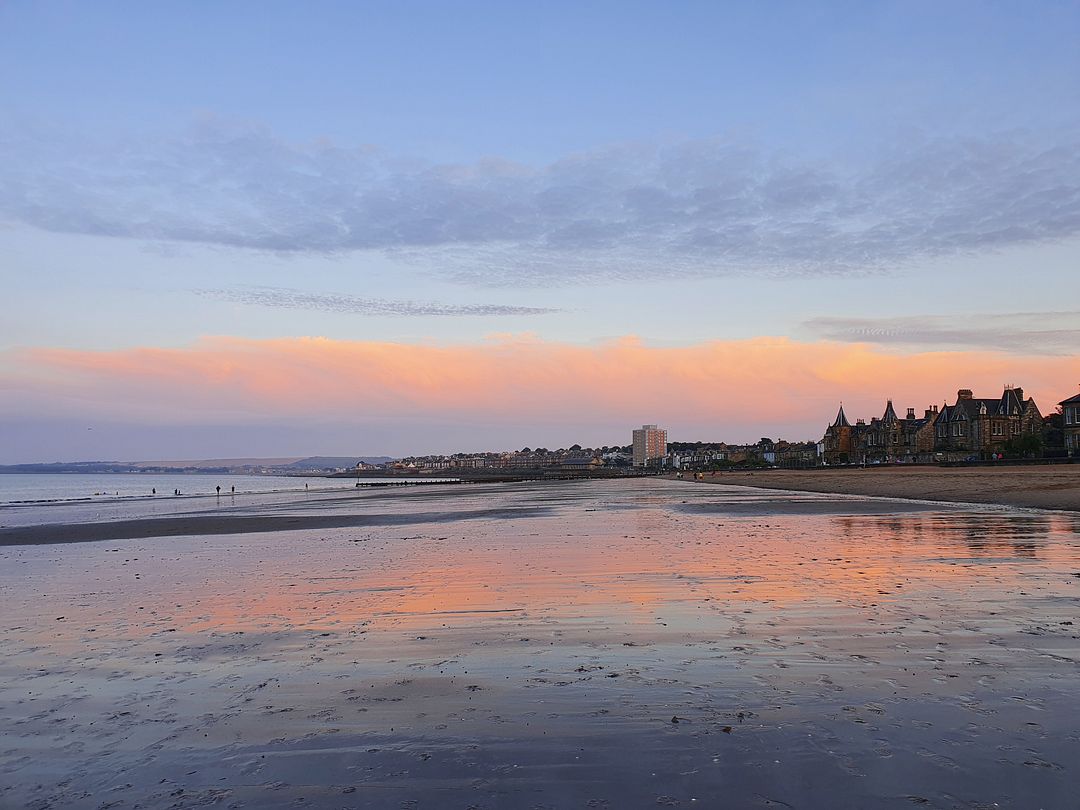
827, 682
938, 759
882, 749
1036, 762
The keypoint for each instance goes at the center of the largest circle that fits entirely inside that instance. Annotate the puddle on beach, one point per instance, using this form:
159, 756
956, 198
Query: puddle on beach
575, 644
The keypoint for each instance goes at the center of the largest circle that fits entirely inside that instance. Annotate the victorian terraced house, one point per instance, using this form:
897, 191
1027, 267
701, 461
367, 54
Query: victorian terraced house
888, 438
969, 427
1070, 419
984, 426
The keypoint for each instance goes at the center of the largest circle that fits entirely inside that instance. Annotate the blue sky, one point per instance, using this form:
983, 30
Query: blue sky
439, 173
533, 82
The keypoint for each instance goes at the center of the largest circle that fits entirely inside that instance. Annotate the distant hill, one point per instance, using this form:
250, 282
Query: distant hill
292, 463
218, 462
312, 463
334, 462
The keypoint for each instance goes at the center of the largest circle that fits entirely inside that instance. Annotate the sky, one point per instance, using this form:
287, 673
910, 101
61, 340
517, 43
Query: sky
277, 229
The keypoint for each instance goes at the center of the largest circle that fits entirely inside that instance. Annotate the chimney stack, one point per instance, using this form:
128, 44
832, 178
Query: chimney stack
1019, 393
910, 413
964, 393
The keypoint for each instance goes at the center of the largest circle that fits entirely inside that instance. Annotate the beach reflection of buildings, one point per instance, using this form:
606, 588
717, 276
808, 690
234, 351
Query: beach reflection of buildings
982, 536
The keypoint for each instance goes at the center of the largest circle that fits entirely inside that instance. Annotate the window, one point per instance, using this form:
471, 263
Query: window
956, 429
998, 429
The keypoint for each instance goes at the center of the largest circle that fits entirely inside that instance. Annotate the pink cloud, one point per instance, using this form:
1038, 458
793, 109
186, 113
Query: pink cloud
731, 389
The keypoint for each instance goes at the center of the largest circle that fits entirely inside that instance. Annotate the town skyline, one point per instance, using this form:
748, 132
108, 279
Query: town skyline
973, 428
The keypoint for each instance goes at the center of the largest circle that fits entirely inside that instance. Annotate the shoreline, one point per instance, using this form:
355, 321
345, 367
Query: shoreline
1055, 488
323, 509
213, 525
105, 498
327, 509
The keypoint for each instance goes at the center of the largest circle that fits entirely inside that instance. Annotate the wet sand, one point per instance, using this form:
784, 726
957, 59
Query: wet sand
1042, 487
605, 644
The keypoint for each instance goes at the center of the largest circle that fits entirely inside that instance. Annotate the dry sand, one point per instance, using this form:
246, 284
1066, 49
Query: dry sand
1042, 487
606, 644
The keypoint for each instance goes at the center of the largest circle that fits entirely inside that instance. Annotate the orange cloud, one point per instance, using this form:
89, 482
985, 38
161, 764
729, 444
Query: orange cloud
755, 383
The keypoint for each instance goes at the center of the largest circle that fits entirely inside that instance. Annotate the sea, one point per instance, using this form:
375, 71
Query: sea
20, 488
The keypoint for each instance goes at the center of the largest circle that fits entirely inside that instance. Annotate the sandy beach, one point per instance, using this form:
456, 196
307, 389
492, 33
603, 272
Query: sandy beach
1036, 487
591, 644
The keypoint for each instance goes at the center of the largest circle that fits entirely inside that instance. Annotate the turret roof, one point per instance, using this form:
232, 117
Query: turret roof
841, 419
890, 414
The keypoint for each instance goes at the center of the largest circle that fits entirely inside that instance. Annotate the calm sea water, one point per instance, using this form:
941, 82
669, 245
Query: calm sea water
78, 486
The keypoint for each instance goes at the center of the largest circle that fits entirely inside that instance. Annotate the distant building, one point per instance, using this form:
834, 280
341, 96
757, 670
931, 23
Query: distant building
884, 439
980, 426
796, 455
581, 463
838, 446
650, 442
703, 457
1070, 417
970, 427
617, 458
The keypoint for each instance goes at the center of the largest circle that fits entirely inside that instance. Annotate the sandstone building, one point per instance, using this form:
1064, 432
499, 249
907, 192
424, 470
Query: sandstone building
969, 427
1070, 413
984, 426
884, 438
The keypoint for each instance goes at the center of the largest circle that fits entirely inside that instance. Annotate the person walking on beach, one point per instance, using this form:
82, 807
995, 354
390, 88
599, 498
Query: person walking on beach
219, 490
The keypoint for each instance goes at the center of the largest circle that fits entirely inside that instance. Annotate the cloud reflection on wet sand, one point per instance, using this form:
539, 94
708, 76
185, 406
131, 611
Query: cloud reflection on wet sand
641, 642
